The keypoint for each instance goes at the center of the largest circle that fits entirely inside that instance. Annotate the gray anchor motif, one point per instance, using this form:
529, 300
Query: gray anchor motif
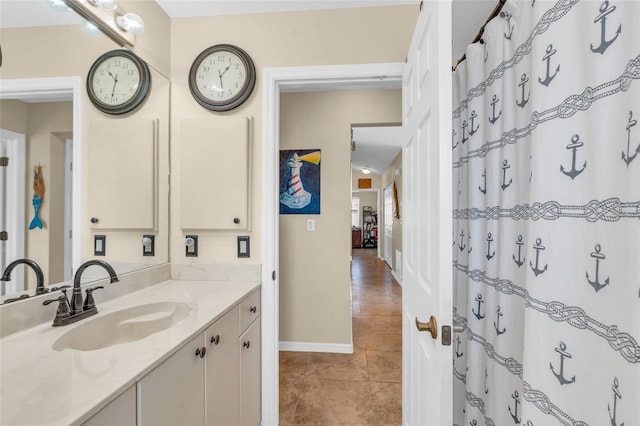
461, 246
514, 414
478, 314
458, 343
520, 243
494, 117
486, 376
472, 117
505, 167
547, 57
464, 131
573, 146
453, 137
538, 247
598, 257
489, 240
562, 350
602, 18
496, 324
616, 395
507, 16
484, 190
523, 82
629, 158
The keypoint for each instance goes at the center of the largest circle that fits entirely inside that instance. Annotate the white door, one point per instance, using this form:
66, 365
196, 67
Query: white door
12, 195
427, 223
388, 224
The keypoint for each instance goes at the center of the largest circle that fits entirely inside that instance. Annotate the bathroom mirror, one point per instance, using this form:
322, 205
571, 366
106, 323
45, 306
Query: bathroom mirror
43, 101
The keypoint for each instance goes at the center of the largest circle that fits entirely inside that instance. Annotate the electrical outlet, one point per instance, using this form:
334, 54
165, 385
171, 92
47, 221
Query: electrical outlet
148, 245
191, 246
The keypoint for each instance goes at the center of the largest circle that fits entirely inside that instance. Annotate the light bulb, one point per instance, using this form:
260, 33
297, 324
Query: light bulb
130, 22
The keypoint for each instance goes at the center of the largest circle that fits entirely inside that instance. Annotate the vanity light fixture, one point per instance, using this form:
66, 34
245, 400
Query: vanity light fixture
114, 22
366, 170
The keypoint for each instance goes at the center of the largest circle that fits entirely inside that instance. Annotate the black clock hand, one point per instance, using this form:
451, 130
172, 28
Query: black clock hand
220, 77
115, 81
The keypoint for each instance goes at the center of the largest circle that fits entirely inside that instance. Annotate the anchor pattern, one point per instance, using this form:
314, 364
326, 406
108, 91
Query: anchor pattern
539, 180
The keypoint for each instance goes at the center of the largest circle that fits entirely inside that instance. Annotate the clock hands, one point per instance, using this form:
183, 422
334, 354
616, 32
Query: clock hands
115, 81
221, 73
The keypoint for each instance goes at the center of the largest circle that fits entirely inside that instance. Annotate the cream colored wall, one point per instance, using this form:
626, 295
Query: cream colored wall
389, 177
46, 148
44, 126
327, 37
63, 51
315, 283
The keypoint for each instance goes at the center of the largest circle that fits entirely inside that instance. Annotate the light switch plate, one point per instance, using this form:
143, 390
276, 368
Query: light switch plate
99, 245
311, 225
243, 246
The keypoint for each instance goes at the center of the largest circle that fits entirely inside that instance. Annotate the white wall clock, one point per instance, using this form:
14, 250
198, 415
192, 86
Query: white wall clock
118, 82
222, 77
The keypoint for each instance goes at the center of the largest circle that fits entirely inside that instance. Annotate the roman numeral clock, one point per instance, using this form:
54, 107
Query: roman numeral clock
222, 77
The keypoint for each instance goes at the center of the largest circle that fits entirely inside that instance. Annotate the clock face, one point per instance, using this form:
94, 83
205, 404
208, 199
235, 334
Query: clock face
118, 82
222, 77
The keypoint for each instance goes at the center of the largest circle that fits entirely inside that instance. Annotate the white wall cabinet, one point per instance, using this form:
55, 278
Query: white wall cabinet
214, 379
214, 187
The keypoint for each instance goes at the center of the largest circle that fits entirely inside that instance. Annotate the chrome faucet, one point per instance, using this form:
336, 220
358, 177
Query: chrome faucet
6, 275
71, 311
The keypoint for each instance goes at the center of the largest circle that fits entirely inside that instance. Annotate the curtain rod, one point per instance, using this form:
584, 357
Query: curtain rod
478, 36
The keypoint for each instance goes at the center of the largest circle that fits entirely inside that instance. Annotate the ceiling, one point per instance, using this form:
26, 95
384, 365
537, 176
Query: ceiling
376, 146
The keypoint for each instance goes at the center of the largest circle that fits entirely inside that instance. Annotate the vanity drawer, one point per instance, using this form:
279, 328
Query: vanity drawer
249, 310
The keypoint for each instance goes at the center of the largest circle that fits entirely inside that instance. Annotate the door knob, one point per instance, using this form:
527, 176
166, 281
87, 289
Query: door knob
431, 326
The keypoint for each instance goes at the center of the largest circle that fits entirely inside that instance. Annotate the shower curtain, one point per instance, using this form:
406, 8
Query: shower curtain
546, 214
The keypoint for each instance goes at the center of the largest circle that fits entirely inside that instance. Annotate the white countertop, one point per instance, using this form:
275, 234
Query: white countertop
40, 386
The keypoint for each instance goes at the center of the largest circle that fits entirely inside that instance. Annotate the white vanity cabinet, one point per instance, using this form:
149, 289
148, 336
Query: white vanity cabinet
121, 411
214, 379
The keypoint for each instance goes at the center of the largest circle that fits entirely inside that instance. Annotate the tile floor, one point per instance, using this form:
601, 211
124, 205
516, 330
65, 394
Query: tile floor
364, 388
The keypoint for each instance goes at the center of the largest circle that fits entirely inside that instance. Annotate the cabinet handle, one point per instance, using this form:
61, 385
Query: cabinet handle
247, 344
253, 309
236, 220
201, 352
215, 339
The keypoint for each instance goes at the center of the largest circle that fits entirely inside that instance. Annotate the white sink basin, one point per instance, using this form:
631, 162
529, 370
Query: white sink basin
124, 326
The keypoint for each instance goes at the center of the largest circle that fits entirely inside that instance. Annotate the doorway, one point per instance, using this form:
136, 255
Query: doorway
277, 81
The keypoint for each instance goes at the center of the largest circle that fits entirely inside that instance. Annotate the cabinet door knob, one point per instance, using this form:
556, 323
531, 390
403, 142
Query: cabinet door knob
94, 220
253, 309
236, 220
215, 339
247, 344
201, 352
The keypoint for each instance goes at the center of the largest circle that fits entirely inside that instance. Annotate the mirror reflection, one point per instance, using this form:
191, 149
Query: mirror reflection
47, 123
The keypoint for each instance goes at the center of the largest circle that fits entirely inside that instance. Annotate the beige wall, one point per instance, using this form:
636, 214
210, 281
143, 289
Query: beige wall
328, 37
388, 178
45, 126
67, 51
315, 283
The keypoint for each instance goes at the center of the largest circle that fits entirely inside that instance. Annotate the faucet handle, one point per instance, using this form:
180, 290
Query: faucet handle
89, 303
62, 287
63, 308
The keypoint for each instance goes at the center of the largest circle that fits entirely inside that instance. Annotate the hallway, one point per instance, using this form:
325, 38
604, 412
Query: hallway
352, 389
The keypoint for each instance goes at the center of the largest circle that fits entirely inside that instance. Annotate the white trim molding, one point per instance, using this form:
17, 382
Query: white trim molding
276, 81
336, 348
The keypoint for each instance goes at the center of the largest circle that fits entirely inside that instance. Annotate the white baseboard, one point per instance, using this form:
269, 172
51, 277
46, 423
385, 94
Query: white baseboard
393, 273
339, 348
